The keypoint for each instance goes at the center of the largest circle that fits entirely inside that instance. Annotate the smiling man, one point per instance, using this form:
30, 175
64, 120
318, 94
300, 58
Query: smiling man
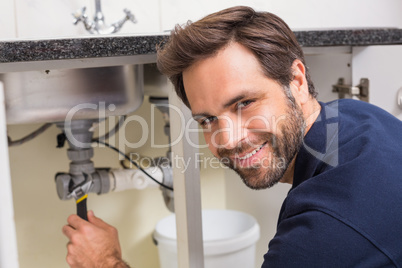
243, 75
249, 122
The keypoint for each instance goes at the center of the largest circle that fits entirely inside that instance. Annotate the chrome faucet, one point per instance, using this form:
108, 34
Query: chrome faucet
98, 25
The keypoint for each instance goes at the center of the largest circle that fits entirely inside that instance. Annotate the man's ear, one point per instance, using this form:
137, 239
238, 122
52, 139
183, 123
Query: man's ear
298, 85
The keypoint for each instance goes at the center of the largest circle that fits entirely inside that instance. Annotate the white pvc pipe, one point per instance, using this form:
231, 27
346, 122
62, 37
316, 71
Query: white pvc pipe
8, 237
124, 179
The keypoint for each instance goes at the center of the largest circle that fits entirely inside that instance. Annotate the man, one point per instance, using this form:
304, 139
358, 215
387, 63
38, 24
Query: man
243, 75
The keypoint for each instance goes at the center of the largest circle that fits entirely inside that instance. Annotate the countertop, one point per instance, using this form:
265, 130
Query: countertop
143, 47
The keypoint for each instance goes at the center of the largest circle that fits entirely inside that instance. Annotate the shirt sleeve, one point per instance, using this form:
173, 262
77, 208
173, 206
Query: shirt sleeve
316, 239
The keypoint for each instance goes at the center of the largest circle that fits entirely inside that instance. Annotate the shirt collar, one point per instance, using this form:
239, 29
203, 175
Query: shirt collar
317, 151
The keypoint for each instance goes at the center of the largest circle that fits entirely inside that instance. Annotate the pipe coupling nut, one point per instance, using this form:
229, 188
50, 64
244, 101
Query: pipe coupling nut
80, 155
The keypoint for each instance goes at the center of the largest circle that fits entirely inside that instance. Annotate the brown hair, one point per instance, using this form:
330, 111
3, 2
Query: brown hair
264, 33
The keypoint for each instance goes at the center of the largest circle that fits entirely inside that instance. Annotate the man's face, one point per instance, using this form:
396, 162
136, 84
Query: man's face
248, 122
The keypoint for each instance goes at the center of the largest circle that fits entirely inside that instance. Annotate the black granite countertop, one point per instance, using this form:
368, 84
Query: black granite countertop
350, 37
131, 45
78, 48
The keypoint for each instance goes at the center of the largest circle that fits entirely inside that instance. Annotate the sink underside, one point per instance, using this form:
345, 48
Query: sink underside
88, 93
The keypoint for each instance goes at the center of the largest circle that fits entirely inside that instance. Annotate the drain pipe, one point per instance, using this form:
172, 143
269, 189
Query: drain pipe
162, 103
84, 178
103, 181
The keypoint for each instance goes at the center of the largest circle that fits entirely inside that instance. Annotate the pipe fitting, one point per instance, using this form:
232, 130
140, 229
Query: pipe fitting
80, 155
124, 179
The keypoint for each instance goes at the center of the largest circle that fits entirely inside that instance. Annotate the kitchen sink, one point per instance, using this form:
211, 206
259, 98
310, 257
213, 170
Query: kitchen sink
86, 93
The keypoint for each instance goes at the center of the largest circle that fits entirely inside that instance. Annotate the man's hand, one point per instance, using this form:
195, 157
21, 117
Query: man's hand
93, 243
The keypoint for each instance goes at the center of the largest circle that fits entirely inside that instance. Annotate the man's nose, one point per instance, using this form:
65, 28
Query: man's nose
229, 133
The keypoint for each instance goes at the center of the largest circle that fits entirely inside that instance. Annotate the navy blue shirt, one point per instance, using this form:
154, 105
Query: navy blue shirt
345, 206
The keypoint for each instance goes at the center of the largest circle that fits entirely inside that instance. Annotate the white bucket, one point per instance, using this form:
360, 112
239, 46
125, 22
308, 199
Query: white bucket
229, 239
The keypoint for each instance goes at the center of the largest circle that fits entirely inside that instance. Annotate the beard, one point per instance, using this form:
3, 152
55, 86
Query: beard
282, 148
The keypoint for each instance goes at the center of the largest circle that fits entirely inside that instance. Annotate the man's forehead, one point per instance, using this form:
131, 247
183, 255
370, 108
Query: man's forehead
216, 82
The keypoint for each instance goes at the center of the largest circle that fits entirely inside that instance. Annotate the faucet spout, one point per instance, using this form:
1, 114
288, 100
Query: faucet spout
98, 18
98, 25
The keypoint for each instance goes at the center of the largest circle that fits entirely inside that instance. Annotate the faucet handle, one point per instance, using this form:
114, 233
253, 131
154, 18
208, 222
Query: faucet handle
130, 16
80, 15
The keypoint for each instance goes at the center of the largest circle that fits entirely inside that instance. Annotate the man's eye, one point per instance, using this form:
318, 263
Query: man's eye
243, 104
206, 121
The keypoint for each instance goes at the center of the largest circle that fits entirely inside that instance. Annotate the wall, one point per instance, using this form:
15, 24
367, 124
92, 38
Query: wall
54, 18
47, 18
304, 14
40, 215
7, 18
